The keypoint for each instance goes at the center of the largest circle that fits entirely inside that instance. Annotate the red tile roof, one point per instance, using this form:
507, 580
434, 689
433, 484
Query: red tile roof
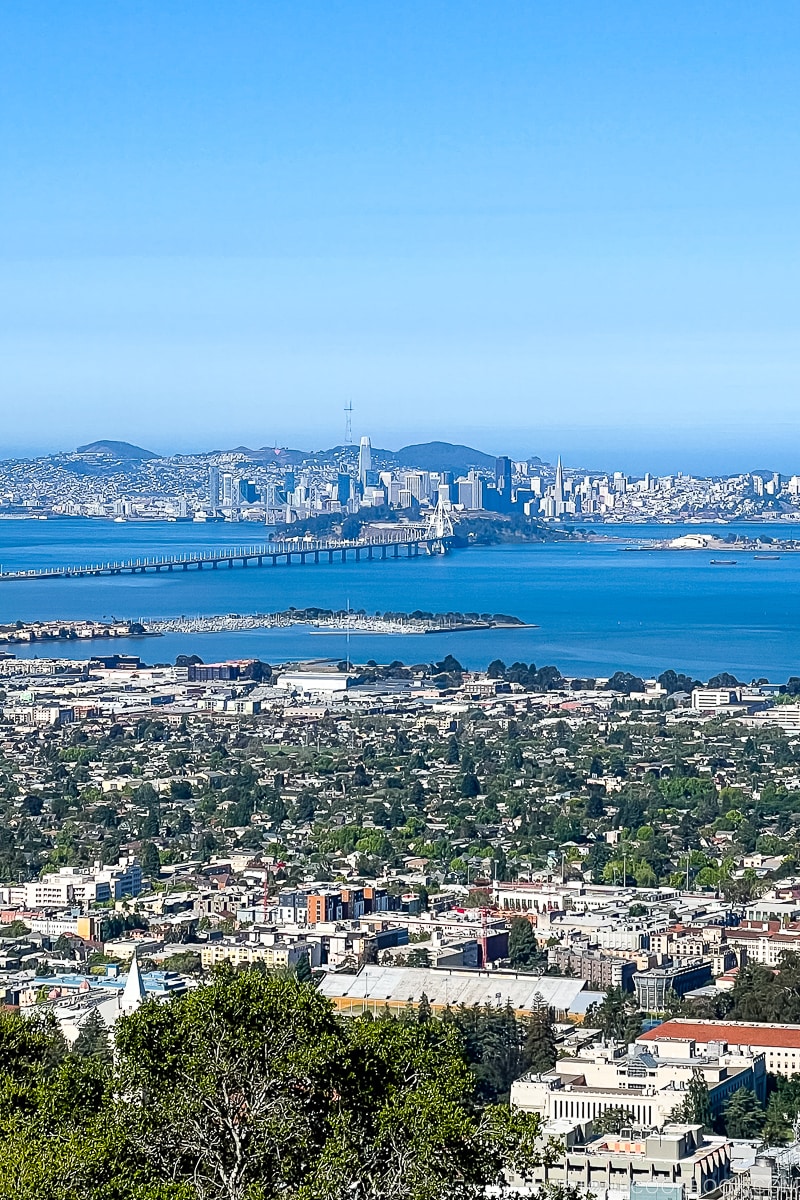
736, 1033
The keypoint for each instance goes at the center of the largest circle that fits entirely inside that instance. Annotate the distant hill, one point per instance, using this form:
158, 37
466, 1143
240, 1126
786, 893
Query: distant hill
443, 456
272, 454
117, 450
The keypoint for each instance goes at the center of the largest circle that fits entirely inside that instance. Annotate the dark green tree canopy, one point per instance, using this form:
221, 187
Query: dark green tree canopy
248, 1089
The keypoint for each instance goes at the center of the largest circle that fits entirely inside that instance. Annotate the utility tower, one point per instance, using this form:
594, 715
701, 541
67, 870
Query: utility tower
348, 423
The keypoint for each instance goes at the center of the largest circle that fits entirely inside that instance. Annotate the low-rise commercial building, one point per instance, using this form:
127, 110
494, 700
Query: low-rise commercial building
655, 986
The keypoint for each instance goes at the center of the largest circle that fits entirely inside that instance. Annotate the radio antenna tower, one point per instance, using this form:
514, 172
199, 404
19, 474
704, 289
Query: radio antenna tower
348, 423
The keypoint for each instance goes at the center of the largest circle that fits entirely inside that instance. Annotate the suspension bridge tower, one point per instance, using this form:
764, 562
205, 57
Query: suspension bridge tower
440, 527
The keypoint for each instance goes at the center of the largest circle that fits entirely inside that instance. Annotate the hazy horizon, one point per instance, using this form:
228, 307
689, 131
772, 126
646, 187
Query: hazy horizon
533, 230
487, 443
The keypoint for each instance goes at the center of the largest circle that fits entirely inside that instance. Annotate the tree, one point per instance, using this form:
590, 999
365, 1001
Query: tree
185, 962
494, 1041
615, 1119
424, 1010
63, 947
92, 1040
302, 969
360, 777
594, 805
540, 1040
15, 929
598, 859
695, 1108
239, 1077
745, 889
723, 680
522, 948
151, 861
624, 681
470, 785
742, 1115
609, 1015
777, 1125
150, 824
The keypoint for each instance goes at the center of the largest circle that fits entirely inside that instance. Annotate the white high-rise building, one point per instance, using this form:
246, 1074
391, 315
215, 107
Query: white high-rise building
558, 490
364, 460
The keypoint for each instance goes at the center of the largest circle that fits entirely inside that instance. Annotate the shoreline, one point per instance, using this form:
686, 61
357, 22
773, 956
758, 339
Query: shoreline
320, 622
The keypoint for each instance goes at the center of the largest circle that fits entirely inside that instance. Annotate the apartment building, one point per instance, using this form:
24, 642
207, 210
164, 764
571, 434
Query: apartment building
280, 955
82, 885
600, 970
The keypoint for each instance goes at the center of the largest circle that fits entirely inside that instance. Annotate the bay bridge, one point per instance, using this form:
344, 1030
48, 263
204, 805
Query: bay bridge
403, 541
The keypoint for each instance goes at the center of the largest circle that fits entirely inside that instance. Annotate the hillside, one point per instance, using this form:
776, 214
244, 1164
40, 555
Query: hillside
443, 456
119, 450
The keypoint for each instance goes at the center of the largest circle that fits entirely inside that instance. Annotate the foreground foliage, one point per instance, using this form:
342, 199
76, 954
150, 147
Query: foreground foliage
248, 1089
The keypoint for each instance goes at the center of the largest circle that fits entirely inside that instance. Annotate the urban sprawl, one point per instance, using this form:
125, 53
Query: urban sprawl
576, 897
280, 487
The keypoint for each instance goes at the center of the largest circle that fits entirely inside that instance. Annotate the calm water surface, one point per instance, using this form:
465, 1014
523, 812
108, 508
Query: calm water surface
597, 607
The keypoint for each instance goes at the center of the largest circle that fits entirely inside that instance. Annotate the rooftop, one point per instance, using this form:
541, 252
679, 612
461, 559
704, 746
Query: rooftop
742, 1033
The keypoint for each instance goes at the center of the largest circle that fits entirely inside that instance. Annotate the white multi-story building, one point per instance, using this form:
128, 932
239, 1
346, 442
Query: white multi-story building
79, 885
647, 1083
709, 699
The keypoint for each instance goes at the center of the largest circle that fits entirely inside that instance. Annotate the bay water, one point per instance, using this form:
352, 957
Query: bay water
596, 606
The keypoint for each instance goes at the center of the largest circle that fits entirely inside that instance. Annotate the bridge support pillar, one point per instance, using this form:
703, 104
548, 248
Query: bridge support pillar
396, 550
316, 556
383, 551
344, 556
330, 556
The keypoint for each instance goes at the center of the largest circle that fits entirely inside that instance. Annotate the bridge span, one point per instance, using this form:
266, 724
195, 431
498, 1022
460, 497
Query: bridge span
406, 541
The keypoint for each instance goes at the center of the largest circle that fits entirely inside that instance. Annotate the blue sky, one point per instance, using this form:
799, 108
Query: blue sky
535, 227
